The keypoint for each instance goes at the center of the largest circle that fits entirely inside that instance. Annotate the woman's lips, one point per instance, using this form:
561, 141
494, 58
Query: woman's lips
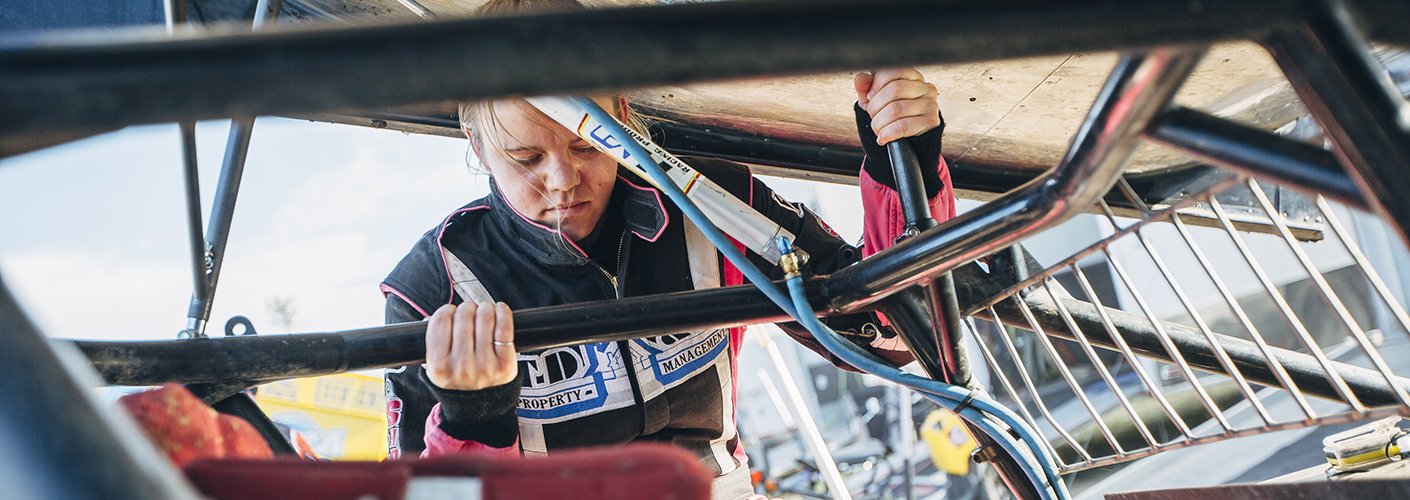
568, 210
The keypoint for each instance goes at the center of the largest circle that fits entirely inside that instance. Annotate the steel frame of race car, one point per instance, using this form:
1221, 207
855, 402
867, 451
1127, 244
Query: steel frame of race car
61, 87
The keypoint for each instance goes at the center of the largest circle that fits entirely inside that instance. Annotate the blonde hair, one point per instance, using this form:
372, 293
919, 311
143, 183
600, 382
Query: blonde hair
478, 117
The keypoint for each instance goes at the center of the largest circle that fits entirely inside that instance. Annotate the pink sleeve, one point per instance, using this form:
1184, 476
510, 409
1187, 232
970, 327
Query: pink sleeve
882, 219
439, 443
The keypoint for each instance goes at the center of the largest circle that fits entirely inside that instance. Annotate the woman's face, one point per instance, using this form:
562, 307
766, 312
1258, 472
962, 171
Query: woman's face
546, 172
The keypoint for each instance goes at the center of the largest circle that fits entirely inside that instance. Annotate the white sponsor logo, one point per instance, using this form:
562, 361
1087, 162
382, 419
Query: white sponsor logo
676, 361
554, 366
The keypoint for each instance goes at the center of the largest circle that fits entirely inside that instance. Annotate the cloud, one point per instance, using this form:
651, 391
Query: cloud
324, 212
92, 295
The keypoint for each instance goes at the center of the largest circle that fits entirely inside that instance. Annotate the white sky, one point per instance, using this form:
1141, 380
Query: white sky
93, 238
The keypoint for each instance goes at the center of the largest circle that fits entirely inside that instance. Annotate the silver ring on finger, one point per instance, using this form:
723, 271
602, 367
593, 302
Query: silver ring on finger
496, 342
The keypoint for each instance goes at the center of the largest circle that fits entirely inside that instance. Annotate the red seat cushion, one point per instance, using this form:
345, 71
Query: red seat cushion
634, 472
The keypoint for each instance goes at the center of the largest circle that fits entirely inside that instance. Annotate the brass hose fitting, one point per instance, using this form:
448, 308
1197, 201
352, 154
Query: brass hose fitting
791, 263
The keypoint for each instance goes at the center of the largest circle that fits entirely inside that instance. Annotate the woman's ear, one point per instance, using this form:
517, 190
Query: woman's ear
471, 137
622, 111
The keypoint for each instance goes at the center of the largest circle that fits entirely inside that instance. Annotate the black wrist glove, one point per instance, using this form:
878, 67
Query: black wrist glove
485, 416
878, 163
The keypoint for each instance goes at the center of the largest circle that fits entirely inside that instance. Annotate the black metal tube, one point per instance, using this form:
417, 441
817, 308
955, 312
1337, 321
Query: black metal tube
1140, 86
1369, 386
939, 295
1258, 153
58, 82
194, 223
816, 160
58, 443
913, 315
941, 303
273, 357
212, 393
909, 315
769, 156
1351, 96
910, 187
222, 213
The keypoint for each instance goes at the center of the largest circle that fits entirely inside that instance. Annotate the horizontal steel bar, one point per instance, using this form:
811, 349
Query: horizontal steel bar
274, 357
1368, 385
1262, 154
132, 76
265, 358
768, 155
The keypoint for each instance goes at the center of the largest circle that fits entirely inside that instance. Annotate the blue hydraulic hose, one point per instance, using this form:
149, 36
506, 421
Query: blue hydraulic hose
946, 395
970, 413
689, 209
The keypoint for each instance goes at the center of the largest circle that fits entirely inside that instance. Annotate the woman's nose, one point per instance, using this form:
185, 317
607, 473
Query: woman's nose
563, 173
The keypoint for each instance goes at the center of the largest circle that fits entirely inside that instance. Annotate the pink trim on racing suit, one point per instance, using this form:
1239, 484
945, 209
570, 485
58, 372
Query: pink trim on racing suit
545, 228
444, 263
733, 277
386, 289
665, 216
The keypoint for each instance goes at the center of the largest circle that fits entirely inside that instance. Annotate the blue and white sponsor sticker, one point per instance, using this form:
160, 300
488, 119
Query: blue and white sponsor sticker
562, 381
677, 357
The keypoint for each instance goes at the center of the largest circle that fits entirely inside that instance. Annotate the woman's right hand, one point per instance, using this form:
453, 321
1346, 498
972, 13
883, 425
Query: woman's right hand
471, 347
901, 103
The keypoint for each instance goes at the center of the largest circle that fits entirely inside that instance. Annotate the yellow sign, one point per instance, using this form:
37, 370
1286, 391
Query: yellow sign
950, 444
341, 417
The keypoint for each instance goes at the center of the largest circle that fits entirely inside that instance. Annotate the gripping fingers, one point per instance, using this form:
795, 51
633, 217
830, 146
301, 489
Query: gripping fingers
484, 330
503, 338
438, 343
882, 78
506, 357
494, 362
901, 90
902, 104
906, 119
464, 332
862, 83
461, 353
907, 127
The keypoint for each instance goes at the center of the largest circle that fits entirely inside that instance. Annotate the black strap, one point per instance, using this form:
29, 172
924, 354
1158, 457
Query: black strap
965, 403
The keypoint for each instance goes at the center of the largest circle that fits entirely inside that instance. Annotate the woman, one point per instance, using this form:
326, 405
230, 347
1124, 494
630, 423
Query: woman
564, 224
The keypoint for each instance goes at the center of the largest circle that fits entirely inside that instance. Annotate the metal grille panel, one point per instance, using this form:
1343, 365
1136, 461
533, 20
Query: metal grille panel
1265, 363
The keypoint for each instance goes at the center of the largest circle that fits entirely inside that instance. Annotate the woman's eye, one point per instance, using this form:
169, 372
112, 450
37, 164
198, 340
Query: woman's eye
526, 160
584, 149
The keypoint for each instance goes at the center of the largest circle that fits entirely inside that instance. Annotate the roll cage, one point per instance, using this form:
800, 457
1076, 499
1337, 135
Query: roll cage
59, 86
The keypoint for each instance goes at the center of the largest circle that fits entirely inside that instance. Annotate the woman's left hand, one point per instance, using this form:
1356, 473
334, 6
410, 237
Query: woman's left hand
901, 103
